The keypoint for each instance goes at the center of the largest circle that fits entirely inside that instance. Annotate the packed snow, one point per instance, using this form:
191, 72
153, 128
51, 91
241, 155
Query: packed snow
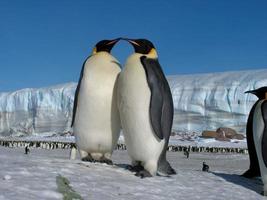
35, 176
201, 101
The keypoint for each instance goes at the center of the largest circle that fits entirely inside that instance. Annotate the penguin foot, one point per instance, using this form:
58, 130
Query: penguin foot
88, 158
136, 168
171, 171
165, 169
143, 174
250, 174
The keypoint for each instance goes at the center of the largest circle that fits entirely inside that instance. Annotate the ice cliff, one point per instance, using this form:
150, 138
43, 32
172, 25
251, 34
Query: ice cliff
44, 110
201, 102
209, 101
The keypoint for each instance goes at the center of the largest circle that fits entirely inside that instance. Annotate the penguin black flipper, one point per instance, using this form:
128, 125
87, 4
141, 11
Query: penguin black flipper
77, 94
254, 168
264, 136
161, 104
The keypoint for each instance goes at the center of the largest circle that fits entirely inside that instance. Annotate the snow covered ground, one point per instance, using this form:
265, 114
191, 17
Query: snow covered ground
34, 176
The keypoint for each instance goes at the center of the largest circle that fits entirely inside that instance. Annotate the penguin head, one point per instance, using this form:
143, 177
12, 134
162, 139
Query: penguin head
105, 45
143, 46
260, 92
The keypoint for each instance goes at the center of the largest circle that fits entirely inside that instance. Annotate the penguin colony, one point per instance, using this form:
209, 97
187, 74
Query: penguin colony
70, 145
37, 144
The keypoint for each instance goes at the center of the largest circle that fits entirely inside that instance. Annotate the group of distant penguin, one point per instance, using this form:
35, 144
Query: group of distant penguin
136, 99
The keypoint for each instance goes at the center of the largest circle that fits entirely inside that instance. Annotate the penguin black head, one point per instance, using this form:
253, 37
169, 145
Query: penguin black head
143, 46
105, 45
261, 93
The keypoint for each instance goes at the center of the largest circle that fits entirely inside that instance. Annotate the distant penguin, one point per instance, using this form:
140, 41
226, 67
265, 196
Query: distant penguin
73, 151
254, 169
260, 138
146, 109
27, 149
205, 167
186, 153
96, 122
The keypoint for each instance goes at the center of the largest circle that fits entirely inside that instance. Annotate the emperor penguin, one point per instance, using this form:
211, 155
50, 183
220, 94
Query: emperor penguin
96, 121
260, 138
146, 110
254, 168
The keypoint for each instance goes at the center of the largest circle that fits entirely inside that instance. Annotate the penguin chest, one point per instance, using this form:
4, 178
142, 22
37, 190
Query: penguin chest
134, 101
97, 122
258, 125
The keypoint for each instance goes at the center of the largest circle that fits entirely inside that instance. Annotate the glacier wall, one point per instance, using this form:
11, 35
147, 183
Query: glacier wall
208, 101
201, 102
41, 111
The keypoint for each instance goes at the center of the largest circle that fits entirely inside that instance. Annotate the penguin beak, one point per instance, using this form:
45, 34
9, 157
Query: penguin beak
251, 92
132, 41
112, 42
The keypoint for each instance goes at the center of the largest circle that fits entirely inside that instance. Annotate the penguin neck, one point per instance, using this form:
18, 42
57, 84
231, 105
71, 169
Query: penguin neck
104, 56
139, 55
135, 56
102, 53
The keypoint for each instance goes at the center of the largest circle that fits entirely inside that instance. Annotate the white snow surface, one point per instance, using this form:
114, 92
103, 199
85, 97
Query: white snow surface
33, 176
201, 102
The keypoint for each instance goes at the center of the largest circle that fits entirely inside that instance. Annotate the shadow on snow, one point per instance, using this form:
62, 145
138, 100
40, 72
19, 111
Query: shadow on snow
251, 184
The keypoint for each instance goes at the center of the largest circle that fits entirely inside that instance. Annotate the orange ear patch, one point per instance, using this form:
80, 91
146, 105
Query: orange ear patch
94, 51
152, 54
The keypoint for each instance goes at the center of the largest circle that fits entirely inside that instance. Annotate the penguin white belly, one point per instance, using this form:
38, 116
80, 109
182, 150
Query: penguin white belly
97, 122
134, 101
258, 128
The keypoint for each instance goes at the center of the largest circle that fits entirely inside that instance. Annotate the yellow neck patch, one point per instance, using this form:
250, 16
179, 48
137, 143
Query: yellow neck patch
152, 53
94, 51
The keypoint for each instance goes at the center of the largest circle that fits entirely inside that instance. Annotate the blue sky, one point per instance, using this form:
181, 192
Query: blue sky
44, 43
